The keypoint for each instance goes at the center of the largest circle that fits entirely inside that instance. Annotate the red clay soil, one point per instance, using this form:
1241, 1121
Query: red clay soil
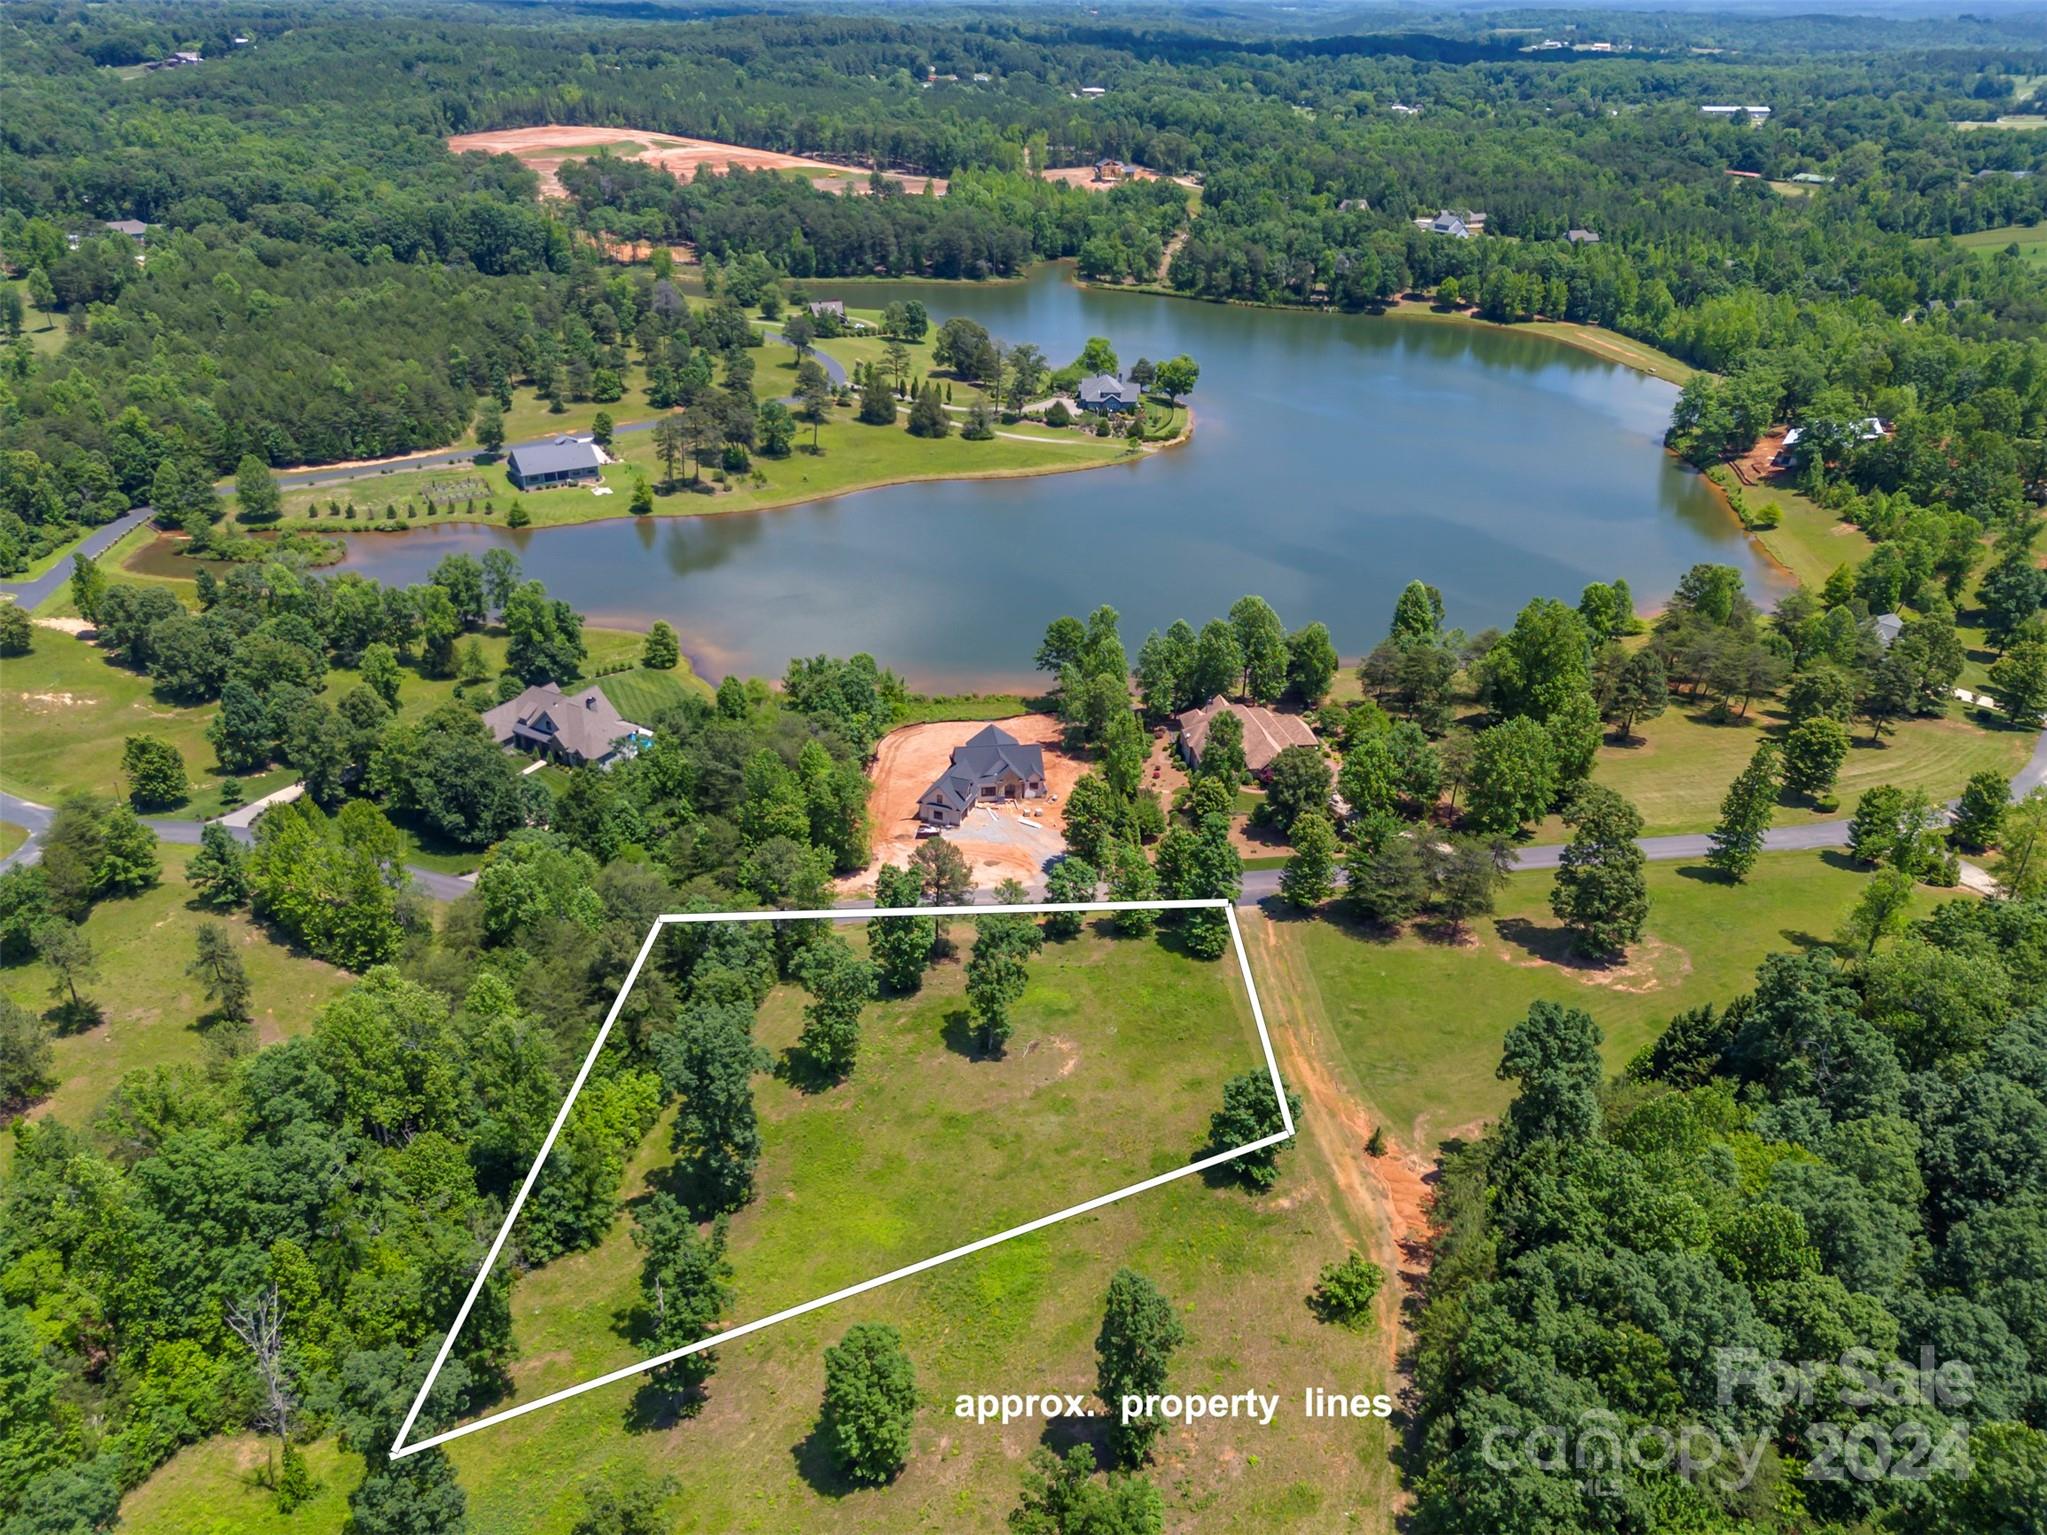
908, 761
541, 150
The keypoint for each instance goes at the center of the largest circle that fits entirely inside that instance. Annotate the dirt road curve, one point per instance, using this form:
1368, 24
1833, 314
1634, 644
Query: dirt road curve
543, 150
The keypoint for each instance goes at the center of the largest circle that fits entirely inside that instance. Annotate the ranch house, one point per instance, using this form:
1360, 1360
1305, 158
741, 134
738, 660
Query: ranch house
562, 461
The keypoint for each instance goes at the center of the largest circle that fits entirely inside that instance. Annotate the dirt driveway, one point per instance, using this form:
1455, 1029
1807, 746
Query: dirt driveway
1000, 842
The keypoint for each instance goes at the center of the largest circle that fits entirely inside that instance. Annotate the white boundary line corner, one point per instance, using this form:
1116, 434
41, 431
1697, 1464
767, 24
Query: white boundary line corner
400, 1448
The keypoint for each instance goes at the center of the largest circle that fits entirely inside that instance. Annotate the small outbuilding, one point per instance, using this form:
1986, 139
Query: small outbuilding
1888, 627
559, 461
991, 767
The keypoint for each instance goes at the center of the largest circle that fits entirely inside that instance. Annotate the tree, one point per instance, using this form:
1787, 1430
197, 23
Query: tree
1098, 356
1071, 880
1312, 663
1061, 1497
1131, 878
1310, 874
776, 429
1631, 689
1417, 613
662, 650
625, 1503
900, 947
380, 672
927, 414
1250, 1112
946, 876
1979, 814
219, 971
1600, 894
72, 962
1133, 1354
88, 587
685, 1287
255, 492
1389, 881
25, 1057
17, 634
1513, 776
1884, 910
1222, 751
544, 637
2021, 864
877, 400
1554, 1054
1344, 1292
870, 1403
1745, 815
490, 427
219, 871
707, 1062
1217, 665
840, 984
1298, 783
800, 330
997, 974
155, 772
2018, 679
813, 397
1262, 639
1813, 754
671, 446
1177, 376
1467, 878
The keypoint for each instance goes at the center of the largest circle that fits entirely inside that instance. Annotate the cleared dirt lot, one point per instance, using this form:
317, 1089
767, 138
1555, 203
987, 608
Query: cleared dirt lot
999, 843
543, 150
1084, 176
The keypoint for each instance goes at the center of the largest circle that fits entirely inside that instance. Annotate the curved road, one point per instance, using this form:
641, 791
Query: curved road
33, 594
1258, 885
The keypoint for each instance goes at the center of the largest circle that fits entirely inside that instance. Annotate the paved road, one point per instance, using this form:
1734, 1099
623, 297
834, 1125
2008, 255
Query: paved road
36, 819
32, 594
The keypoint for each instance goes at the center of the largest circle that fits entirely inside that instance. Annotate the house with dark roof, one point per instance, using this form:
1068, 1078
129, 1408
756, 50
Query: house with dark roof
1105, 391
1267, 732
559, 461
584, 729
1581, 236
134, 229
992, 766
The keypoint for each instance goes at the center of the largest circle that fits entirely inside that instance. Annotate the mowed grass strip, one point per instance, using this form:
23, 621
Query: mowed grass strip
1420, 1022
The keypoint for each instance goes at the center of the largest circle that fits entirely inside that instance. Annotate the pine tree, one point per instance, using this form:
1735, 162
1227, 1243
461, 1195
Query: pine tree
1745, 815
220, 973
1133, 1352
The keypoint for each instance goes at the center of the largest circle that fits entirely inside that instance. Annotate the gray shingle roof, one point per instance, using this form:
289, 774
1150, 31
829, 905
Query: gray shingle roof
982, 760
1106, 386
554, 457
588, 725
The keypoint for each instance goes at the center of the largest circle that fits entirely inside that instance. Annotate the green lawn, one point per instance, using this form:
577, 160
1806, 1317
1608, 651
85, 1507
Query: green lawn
1120, 1050
11, 837
1681, 763
2031, 240
1809, 541
142, 945
212, 1488
640, 694
1420, 1022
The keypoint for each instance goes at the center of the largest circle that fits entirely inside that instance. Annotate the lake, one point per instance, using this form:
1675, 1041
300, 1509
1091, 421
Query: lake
1335, 458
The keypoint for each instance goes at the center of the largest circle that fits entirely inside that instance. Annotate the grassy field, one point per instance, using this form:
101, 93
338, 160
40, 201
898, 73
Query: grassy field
1809, 541
2031, 239
1426, 1064
11, 837
1681, 763
212, 1488
143, 945
1120, 1050
641, 694
2020, 122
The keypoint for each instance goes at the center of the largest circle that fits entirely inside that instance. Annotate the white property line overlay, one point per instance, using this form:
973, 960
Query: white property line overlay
400, 1449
